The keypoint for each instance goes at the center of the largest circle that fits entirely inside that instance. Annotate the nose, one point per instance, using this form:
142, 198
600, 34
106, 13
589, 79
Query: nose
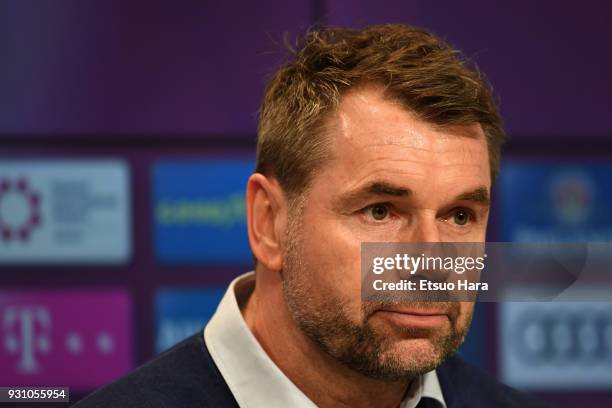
424, 228
423, 237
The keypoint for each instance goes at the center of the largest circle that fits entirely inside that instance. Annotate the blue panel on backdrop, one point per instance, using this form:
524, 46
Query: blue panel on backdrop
180, 313
543, 201
199, 211
548, 201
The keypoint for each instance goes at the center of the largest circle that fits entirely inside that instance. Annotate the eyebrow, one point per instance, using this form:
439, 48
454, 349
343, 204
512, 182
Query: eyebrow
479, 195
376, 188
384, 188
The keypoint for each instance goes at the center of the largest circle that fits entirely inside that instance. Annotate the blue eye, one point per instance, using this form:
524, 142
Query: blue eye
379, 211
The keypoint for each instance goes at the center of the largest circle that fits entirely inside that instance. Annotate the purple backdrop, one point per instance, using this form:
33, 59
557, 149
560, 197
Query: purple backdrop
152, 80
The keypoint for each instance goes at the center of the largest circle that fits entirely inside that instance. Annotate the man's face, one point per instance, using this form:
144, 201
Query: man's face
392, 178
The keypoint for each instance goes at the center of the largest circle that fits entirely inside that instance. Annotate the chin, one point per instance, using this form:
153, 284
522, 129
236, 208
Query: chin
417, 347
417, 355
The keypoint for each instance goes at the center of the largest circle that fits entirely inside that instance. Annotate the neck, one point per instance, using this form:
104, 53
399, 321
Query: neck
322, 378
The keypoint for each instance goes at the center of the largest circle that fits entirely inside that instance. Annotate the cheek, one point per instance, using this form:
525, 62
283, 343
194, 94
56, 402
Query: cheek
332, 258
465, 314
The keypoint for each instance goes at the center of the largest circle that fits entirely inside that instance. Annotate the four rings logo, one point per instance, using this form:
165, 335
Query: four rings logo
578, 336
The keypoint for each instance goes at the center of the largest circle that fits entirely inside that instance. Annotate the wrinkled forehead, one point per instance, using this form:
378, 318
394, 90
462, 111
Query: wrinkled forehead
366, 117
373, 136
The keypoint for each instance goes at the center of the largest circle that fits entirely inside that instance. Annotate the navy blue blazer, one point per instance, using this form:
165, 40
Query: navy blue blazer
186, 376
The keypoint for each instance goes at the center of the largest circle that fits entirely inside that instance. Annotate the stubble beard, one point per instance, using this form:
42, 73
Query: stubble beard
324, 319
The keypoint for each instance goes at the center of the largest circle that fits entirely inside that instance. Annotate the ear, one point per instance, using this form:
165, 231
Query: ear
266, 218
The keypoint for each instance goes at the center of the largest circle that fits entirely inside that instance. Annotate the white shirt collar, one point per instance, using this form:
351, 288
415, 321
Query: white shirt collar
251, 375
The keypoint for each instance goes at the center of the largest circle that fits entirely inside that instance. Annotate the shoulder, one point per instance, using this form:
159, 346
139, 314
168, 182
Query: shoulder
185, 375
466, 385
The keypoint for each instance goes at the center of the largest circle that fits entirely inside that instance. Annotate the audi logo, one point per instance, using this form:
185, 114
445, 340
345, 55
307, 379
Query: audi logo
579, 336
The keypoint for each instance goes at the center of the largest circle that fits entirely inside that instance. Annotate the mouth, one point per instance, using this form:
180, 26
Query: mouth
421, 319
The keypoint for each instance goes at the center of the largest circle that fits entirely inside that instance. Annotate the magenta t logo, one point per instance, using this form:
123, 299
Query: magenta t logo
81, 339
26, 334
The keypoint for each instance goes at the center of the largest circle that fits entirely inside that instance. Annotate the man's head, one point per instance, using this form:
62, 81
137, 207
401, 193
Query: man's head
381, 134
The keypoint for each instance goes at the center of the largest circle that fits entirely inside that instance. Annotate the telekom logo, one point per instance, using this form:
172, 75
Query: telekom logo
27, 333
79, 337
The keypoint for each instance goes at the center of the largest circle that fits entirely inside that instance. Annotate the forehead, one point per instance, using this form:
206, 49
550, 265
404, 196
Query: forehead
375, 136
